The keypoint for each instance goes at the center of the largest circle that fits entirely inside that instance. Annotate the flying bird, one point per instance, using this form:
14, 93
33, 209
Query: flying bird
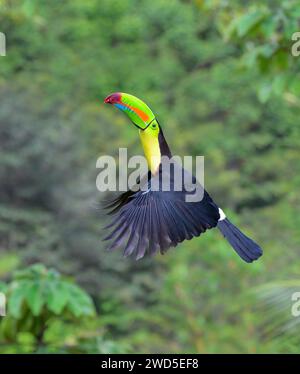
147, 219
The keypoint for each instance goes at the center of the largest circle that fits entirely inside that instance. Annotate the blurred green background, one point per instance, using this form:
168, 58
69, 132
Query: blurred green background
221, 77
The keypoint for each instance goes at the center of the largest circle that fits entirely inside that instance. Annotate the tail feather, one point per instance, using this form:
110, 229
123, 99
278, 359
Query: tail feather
245, 247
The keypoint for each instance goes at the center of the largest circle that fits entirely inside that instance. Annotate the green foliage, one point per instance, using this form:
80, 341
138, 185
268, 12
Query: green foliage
47, 313
264, 32
37, 288
36, 298
279, 325
221, 79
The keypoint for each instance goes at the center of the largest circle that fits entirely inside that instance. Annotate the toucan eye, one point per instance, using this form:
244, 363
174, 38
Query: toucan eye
153, 126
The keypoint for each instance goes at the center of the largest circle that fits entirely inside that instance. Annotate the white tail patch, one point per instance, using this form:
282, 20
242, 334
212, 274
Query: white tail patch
222, 215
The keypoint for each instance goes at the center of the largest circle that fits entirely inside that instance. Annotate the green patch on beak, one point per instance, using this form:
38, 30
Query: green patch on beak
138, 112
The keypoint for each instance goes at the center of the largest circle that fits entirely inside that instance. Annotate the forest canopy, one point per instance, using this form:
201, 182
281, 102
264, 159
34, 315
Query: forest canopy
224, 84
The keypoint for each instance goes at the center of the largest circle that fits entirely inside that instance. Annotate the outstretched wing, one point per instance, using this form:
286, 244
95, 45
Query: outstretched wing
151, 220
114, 205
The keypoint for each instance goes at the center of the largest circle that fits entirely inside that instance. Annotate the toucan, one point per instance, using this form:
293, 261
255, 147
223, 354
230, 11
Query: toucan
150, 220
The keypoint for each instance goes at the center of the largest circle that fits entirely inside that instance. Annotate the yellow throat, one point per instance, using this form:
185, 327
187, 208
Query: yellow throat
151, 148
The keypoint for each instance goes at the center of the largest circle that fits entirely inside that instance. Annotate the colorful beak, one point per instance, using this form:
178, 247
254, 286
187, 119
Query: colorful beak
138, 112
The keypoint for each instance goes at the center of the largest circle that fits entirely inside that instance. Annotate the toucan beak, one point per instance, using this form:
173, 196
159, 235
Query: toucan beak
137, 111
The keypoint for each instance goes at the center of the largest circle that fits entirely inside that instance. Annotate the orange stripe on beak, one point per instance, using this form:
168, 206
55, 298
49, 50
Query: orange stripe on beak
138, 111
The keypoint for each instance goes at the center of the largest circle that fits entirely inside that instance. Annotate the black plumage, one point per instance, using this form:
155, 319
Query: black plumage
149, 219
245, 247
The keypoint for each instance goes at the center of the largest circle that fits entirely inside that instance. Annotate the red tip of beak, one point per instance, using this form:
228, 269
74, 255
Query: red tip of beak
113, 98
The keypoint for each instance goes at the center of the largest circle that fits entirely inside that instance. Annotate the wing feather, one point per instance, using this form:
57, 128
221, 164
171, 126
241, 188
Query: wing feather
145, 222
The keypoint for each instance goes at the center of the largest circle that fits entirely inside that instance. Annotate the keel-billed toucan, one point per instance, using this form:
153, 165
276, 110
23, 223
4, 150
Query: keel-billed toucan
149, 220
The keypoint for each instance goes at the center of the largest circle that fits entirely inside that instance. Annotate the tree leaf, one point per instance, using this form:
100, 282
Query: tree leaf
248, 21
15, 301
79, 303
57, 297
34, 298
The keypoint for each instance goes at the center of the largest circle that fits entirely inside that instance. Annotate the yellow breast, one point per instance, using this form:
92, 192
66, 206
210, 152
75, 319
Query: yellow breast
151, 148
